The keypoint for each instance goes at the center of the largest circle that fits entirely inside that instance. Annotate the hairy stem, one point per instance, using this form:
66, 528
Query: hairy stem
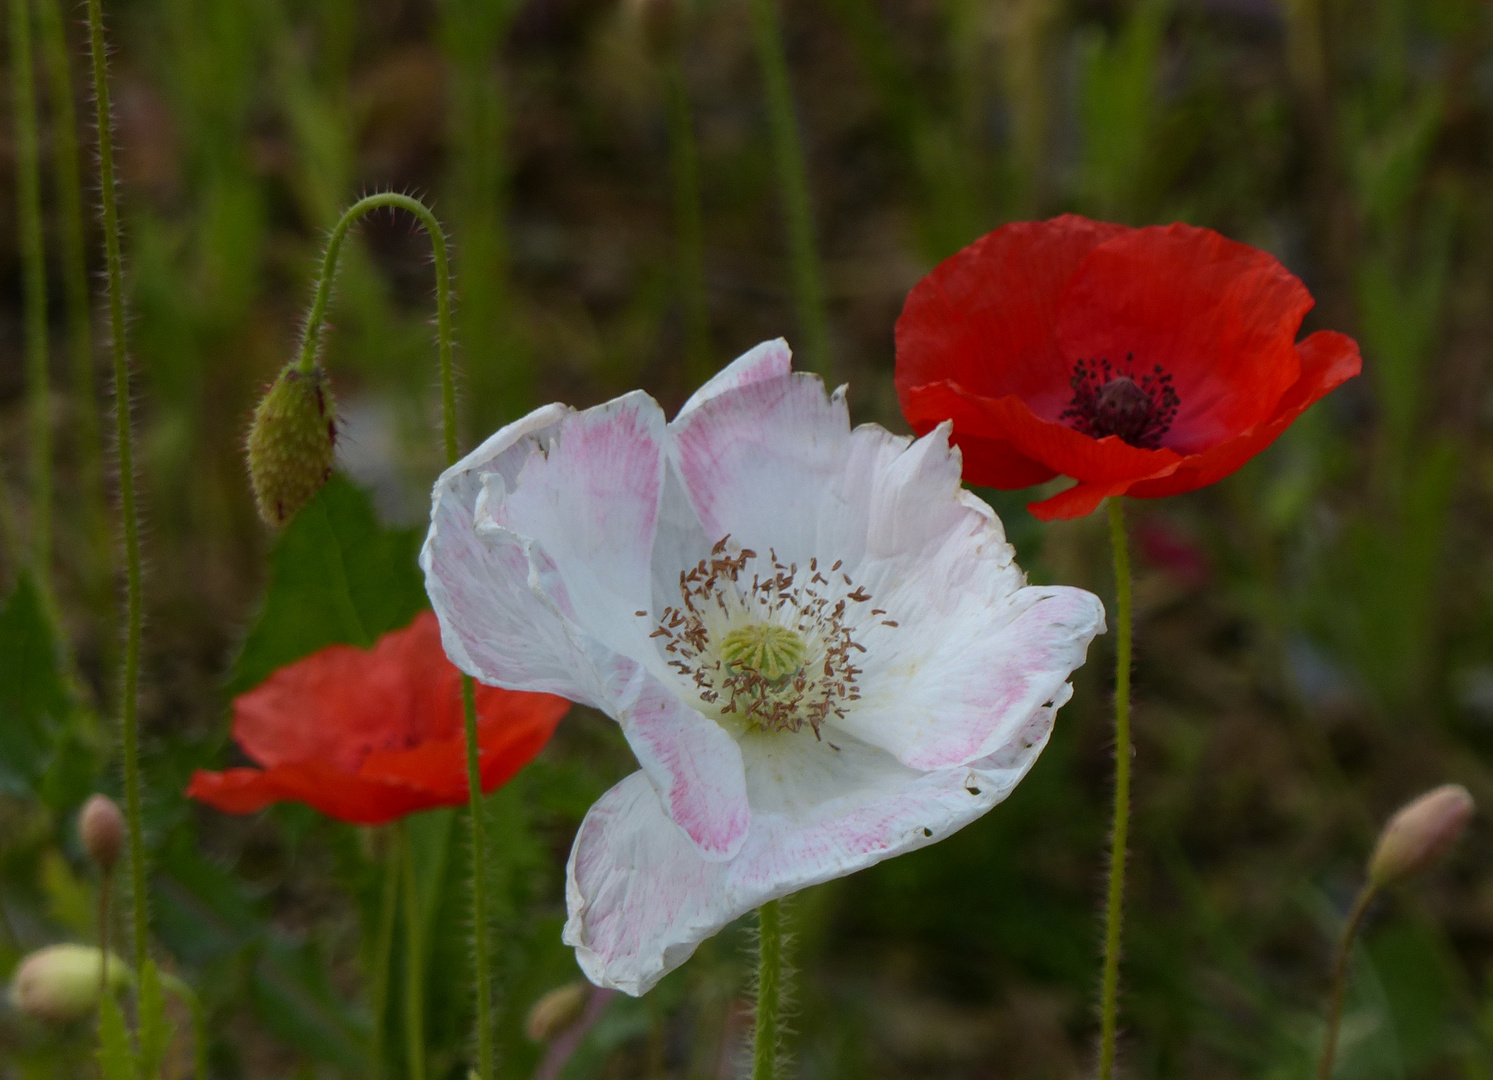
34, 288
84, 416
414, 974
793, 185
687, 219
1340, 979
128, 704
309, 348
1115, 902
770, 976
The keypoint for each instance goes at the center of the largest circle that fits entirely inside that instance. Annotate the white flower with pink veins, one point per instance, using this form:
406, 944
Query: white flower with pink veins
816, 642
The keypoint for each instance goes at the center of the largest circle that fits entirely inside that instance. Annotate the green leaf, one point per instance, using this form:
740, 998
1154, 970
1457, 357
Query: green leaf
155, 1028
116, 1057
336, 576
34, 702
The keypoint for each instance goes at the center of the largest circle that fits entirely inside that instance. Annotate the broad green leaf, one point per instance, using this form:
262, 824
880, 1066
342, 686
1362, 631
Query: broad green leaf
34, 702
336, 576
155, 1028
116, 1057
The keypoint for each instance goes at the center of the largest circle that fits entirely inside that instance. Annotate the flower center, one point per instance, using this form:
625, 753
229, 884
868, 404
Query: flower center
764, 643
1111, 401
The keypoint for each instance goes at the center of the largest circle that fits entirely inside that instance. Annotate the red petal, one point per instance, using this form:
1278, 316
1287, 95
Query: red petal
989, 461
1219, 316
346, 798
1328, 359
986, 317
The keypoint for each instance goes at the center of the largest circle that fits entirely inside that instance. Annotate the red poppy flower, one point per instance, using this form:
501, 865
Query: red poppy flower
1141, 362
367, 736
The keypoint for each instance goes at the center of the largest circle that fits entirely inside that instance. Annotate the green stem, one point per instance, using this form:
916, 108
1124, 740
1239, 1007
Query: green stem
103, 933
84, 415
383, 954
309, 348
34, 278
770, 976
687, 219
128, 712
793, 185
1115, 902
414, 962
1340, 979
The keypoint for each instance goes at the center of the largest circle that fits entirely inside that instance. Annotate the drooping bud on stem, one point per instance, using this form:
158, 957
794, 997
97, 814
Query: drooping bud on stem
101, 829
556, 1011
60, 984
292, 443
1420, 834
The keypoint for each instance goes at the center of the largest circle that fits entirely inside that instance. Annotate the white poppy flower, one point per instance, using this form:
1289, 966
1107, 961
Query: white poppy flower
816, 642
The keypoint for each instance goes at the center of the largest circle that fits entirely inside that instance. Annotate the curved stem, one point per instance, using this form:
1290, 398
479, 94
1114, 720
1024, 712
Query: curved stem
34, 276
309, 347
128, 706
1340, 979
1119, 835
793, 185
769, 991
383, 953
414, 962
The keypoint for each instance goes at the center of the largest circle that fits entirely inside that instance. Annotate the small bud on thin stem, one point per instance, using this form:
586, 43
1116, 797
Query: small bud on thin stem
292, 443
1420, 834
101, 830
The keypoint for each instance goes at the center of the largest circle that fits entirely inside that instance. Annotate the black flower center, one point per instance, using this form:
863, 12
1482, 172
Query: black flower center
1109, 400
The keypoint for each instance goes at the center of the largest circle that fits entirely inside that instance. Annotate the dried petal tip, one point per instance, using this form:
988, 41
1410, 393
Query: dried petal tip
1420, 834
556, 1011
60, 984
291, 443
101, 828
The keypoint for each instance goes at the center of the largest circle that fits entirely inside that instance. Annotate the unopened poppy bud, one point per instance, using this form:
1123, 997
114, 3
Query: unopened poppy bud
1420, 834
101, 829
556, 1011
292, 443
659, 20
60, 984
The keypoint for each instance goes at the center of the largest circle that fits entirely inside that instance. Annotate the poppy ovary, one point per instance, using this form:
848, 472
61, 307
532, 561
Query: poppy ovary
1110, 401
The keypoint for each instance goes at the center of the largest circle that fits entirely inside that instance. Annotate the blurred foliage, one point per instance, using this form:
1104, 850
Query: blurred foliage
1315, 634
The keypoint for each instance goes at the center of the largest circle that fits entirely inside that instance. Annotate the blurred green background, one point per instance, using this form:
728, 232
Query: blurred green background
1313, 634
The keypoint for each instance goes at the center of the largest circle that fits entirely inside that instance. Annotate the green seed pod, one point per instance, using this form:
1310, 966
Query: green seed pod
292, 443
60, 984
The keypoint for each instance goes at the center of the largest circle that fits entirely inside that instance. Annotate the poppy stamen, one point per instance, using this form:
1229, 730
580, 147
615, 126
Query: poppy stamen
1108, 400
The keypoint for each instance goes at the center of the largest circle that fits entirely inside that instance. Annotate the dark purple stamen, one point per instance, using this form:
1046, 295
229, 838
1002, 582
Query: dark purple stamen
1113, 401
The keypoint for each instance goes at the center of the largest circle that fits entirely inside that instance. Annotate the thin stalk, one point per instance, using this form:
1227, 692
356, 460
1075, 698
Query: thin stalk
34, 288
770, 978
383, 954
128, 706
1115, 902
310, 345
414, 962
1340, 979
103, 933
67, 173
687, 218
793, 185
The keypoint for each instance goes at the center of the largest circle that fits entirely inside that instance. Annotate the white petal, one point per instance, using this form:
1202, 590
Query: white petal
641, 898
770, 360
691, 761
494, 625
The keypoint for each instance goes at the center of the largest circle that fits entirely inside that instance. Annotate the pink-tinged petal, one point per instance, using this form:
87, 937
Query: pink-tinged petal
641, 898
770, 360
494, 625
692, 762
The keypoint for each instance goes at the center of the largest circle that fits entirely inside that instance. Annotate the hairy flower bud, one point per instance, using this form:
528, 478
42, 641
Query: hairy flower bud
60, 984
101, 829
292, 443
556, 1011
1420, 834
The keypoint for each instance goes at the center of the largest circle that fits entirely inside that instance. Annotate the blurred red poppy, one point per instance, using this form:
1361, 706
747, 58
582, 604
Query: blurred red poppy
367, 736
1141, 362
